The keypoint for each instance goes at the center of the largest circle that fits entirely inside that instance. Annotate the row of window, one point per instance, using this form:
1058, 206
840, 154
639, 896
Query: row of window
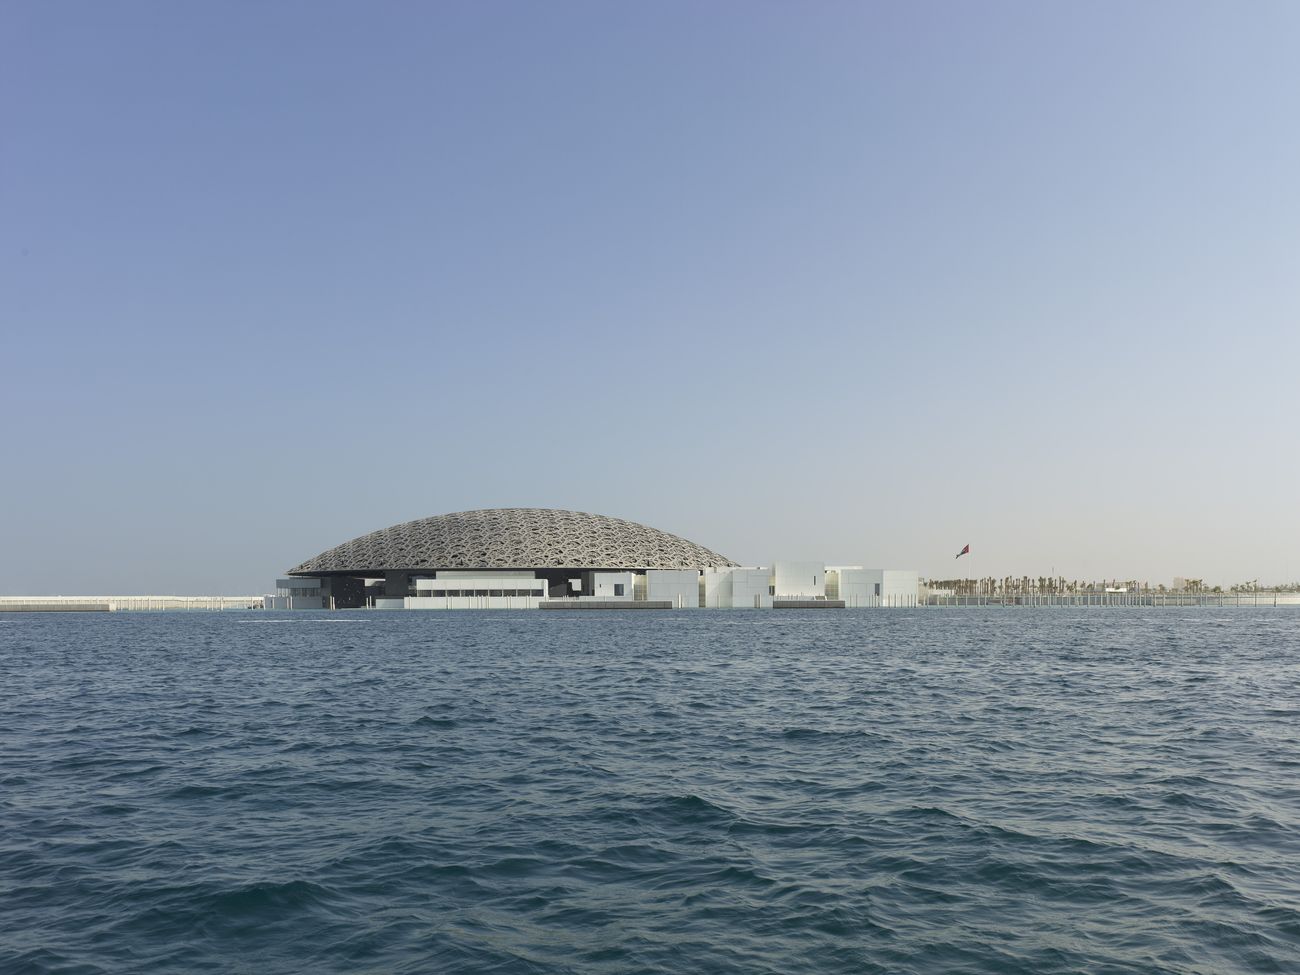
481, 592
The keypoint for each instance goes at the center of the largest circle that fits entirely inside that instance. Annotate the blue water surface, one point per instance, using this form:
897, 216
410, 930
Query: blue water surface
902, 791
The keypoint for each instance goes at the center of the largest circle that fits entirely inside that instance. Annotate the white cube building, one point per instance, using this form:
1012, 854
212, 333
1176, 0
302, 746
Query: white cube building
798, 580
735, 588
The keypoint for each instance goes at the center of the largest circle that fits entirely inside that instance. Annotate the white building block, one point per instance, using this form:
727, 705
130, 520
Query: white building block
611, 585
462, 589
851, 583
736, 588
798, 580
892, 587
681, 587
750, 589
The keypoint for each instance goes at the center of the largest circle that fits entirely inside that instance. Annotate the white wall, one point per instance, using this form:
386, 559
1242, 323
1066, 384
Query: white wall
299, 592
476, 590
892, 587
900, 587
717, 588
853, 584
603, 583
798, 579
461, 581
681, 587
749, 589
465, 602
739, 588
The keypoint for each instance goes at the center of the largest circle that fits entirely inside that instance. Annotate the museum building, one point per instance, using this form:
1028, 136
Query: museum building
540, 558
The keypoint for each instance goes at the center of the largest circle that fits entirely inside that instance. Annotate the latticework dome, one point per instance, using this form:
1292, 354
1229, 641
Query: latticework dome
513, 538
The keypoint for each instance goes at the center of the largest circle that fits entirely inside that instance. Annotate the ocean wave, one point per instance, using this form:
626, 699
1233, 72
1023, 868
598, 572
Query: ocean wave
893, 793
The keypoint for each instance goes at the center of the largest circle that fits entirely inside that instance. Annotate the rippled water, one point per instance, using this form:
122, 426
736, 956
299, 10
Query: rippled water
949, 790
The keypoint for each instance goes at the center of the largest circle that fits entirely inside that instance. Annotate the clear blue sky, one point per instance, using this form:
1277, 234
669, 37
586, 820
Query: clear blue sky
853, 281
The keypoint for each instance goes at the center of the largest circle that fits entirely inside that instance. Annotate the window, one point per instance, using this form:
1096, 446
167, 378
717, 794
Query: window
877, 589
496, 592
480, 592
618, 589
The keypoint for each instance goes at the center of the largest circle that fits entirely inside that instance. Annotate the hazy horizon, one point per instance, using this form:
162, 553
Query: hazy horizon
861, 283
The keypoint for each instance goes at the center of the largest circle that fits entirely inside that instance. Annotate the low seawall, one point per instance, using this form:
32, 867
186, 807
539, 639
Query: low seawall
605, 604
125, 604
51, 606
1154, 599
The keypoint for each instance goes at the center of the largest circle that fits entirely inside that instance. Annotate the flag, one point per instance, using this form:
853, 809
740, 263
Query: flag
965, 551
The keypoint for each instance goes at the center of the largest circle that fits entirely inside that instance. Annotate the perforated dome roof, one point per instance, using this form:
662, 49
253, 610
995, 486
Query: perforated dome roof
513, 538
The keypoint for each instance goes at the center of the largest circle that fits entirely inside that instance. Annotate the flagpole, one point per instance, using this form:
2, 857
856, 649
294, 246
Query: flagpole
965, 550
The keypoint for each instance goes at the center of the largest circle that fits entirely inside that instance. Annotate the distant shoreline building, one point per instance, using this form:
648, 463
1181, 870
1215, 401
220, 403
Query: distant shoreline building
541, 558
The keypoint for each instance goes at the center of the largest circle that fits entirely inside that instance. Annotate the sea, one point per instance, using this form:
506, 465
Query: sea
956, 790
